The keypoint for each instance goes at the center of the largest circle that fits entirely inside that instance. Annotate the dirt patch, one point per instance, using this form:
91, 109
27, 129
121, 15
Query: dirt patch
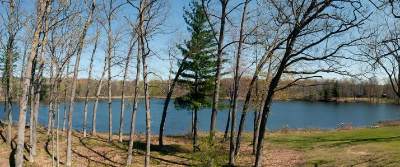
272, 157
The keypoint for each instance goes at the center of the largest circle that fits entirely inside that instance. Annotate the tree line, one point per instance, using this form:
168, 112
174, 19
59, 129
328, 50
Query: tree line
367, 90
248, 50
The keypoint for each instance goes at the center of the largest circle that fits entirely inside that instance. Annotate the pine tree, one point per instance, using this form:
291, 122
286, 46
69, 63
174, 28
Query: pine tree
200, 66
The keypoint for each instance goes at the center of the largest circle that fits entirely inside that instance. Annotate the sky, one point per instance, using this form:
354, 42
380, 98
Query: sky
173, 31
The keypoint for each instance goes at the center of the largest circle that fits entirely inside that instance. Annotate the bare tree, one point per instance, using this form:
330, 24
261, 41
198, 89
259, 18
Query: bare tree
144, 53
168, 99
134, 107
85, 108
110, 9
228, 121
13, 27
98, 91
236, 84
308, 25
257, 112
36, 88
131, 46
220, 52
382, 50
43, 9
147, 23
67, 71
267, 56
82, 36
59, 58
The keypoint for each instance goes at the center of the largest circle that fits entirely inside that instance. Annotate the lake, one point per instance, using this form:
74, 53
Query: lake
292, 114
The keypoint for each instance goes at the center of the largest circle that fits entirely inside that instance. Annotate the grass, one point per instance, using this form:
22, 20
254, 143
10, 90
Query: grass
356, 147
366, 146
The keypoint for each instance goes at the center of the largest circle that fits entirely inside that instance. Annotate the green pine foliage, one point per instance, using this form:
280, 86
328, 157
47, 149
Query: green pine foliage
4, 59
200, 66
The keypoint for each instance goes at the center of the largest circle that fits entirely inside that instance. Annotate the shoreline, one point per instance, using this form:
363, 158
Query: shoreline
342, 100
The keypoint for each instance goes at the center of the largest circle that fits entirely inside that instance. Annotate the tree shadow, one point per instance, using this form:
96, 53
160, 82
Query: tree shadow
81, 140
377, 161
339, 142
50, 154
2, 136
91, 160
165, 149
165, 160
139, 146
172, 150
11, 158
359, 141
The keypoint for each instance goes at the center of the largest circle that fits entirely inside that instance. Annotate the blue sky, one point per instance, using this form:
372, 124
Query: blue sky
173, 31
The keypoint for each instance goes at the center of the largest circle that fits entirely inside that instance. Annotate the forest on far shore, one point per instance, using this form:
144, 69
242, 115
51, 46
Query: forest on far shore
344, 90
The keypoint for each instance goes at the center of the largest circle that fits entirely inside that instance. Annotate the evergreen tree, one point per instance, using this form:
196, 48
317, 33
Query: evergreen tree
4, 61
200, 66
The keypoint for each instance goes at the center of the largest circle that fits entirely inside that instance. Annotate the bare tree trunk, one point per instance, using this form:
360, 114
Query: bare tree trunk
267, 56
85, 108
147, 107
192, 132
98, 91
50, 113
37, 87
248, 97
43, 7
267, 104
224, 4
134, 108
8, 72
255, 113
142, 46
257, 123
57, 112
49, 117
195, 145
121, 118
228, 121
237, 85
74, 80
109, 52
65, 99
32, 106
35, 110
263, 122
57, 136
167, 100
53, 108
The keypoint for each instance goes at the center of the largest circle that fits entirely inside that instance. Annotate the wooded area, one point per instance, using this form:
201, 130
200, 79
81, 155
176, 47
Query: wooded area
57, 52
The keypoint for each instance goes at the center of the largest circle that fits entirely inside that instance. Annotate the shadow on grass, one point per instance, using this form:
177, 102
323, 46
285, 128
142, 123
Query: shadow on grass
13, 146
140, 147
165, 150
172, 150
11, 158
337, 142
50, 154
92, 160
103, 155
360, 141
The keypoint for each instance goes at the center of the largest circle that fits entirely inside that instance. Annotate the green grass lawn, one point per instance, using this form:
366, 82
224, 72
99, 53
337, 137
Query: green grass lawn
362, 147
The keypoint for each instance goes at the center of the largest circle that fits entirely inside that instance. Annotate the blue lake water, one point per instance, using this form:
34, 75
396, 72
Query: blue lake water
292, 114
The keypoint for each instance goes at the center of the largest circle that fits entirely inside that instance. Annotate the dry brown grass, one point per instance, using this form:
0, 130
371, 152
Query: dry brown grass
97, 151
